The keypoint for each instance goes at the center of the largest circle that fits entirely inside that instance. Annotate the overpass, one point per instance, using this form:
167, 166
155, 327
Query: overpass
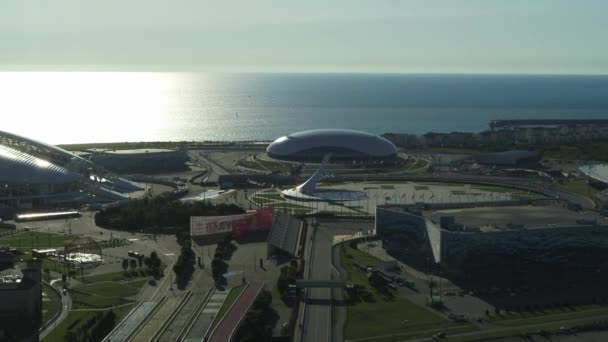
324, 284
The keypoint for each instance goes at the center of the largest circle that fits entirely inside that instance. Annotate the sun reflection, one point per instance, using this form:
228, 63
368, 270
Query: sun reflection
58, 107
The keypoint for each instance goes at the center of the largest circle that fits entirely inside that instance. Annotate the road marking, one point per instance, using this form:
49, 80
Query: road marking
169, 254
133, 239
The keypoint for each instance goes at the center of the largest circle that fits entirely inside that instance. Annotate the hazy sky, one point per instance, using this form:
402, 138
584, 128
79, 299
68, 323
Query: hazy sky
540, 36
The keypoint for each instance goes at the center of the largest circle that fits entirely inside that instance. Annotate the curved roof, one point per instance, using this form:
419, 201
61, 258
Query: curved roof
597, 172
334, 141
20, 167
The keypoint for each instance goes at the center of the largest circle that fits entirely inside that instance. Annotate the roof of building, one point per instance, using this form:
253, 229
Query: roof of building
511, 157
285, 232
361, 142
598, 172
20, 167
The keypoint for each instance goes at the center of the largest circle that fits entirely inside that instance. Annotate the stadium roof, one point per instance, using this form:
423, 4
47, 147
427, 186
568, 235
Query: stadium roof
20, 167
598, 172
341, 143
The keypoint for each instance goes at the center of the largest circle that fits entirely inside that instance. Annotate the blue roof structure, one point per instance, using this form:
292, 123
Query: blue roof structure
341, 143
20, 167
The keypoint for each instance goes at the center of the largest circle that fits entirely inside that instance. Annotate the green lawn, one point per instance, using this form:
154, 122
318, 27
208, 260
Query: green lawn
387, 187
550, 315
234, 293
259, 200
383, 315
271, 196
113, 289
493, 188
33, 240
418, 164
51, 306
287, 205
76, 318
113, 276
580, 187
105, 293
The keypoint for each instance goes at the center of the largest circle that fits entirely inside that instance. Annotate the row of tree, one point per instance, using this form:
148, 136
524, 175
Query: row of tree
288, 276
152, 263
157, 212
218, 266
92, 330
259, 322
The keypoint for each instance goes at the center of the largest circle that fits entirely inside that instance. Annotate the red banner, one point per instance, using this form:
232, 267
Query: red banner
262, 219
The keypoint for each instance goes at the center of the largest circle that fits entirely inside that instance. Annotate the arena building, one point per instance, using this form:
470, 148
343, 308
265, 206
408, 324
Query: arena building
37, 175
597, 174
313, 145
500, 245
141, 160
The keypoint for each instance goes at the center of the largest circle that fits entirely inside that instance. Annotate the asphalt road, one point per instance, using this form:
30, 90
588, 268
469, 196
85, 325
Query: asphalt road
66, 305
317, 324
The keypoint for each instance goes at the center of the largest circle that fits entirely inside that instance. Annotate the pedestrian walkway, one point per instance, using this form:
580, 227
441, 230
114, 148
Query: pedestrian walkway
205, 318
226, 328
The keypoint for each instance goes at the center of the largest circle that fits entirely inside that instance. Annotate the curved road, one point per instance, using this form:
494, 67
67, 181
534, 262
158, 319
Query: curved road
66, 305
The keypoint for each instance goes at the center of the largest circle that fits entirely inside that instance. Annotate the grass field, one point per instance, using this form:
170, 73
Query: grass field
32, 240
418, 164
580, 187
114, 276
76, 318
234, 293
381, 315
105, 293
51, 303
387, 187
550, 315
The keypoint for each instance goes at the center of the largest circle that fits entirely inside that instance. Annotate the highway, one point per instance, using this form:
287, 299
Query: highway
317, 322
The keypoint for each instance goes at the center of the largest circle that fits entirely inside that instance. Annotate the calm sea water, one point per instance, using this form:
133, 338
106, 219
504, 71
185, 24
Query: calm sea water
77, 107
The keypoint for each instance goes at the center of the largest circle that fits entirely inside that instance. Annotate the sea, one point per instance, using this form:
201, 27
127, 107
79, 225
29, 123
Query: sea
90, 107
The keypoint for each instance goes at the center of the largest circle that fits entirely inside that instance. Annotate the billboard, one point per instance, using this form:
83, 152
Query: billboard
261, 219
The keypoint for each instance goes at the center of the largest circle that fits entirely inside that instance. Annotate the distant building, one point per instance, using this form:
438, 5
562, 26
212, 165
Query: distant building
342, 144
141, 160
509, 158
20, 295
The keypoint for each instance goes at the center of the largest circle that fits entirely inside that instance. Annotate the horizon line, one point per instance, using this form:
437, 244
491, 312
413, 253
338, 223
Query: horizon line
194, 69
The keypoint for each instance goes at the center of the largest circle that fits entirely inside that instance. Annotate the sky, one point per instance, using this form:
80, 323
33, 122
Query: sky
379, 36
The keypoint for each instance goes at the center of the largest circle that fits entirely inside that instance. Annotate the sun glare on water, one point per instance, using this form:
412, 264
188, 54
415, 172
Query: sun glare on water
64, 107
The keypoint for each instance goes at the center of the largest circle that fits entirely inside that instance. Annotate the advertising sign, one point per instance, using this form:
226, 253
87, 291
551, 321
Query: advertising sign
261, 219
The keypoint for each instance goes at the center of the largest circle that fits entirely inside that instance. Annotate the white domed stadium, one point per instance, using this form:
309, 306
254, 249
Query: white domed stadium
35, 175
342, 144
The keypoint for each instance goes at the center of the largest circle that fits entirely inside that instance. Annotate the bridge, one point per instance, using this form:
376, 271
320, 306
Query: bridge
546, 122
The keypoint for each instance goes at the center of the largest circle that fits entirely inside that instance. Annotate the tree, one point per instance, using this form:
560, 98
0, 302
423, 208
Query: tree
125, 264
132, 264
216, 268
47, 272
140, 261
